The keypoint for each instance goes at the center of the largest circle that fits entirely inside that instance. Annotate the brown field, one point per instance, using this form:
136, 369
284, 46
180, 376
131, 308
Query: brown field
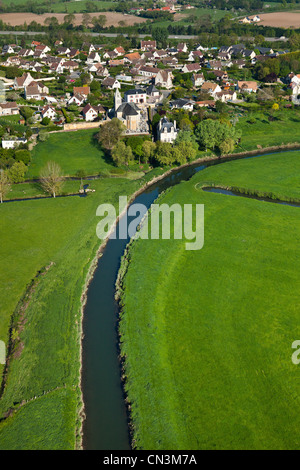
113, 18
281, 19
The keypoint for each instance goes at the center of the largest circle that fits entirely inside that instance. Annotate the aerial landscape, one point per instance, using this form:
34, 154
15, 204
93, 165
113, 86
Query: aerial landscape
149, 226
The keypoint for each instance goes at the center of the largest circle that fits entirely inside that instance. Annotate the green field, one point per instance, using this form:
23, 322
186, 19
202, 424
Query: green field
283, 129
207, 334
73, 151
62, 7
46, 250
59, 234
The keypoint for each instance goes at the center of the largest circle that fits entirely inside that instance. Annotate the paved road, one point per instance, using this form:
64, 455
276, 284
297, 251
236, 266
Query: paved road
114, 35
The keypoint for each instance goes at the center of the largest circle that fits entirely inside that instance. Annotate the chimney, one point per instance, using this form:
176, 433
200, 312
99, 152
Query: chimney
175, 125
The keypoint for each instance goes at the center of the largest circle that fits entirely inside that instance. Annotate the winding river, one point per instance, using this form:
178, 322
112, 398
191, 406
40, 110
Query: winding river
106, 423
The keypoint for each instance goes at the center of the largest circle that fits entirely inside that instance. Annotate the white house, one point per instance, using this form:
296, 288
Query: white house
49, 112
89, 113
164, 79
167, 131
13, 142
93, 57
7, 109
137, 96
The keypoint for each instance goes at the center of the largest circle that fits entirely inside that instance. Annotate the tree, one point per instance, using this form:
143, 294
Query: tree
69, 19
186, 151
4, 184
211, 134
122, 154
86, 19
23, 156
110, 133
51, 178
148, 149
17, 172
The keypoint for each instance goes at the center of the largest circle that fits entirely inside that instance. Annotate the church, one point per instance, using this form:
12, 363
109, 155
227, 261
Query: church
128, 113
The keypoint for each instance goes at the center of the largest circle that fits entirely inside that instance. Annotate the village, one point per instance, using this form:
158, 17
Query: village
63, 88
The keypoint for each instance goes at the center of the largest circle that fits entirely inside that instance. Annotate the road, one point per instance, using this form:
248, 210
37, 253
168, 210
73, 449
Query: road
114, 35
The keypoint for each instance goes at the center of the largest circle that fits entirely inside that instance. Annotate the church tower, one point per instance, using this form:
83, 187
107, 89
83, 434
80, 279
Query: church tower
117, 100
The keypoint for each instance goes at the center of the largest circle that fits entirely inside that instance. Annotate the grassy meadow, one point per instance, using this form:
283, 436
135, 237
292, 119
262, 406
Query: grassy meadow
59, 234
207, 334
284, 129
46, 250
73, 151
249, 176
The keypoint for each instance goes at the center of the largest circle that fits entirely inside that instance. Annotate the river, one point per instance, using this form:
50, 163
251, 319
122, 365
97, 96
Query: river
106, 423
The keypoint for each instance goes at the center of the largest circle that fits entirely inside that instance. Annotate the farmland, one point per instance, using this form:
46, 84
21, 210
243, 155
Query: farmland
218, 323
288, 19
113, 18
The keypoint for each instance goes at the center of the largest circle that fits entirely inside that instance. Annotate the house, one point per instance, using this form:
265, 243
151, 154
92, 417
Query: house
7, 109
32, 92
198, 79
265, 50
13, 142
9, 49
148, 45
164, 79
111, 83
42, 48
245, 20
195, 55
182, 47
93, 57
132, 57
147, 71
49, 112
82, 90
24, 80
240, 63
63, 50
248, 53
90, 113
226, 96
166, 131
206, 104
70, 65
25, 53
110, 55
215, 65
100, 70
119, 50
247, 86
219, 74
77, 99
137, 96
191, 68
211, 88
181, 103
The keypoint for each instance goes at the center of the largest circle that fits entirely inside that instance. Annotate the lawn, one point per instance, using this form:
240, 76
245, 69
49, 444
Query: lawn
283, 129
68, 7
73, 151
59, 235
207, 334
249, 176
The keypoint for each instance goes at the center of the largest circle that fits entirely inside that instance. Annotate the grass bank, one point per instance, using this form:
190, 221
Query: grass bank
45, 361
